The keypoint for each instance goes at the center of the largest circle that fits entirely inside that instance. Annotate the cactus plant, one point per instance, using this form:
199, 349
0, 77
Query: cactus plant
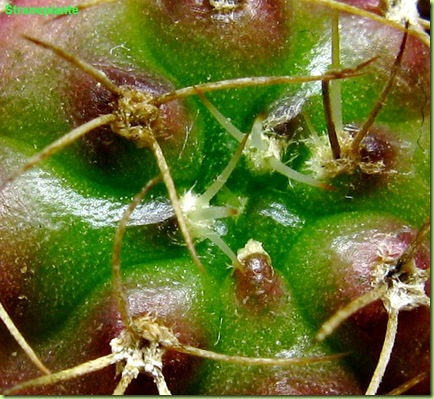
214, 197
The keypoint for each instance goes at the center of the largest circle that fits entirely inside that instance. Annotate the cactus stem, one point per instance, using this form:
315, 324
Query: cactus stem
139, 135
399, 290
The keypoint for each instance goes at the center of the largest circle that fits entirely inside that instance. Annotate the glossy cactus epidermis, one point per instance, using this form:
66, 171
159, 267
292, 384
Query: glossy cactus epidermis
344, 253
313, 247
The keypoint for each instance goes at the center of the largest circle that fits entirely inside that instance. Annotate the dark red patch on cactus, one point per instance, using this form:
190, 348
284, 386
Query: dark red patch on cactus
312, 381
17, 268
377, 148
358, 258
259, 288
168, 306
254, 28
87, 99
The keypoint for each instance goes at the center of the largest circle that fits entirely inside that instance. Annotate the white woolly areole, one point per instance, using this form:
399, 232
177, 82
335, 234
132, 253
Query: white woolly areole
402, 10
190, 205
259, 152
322, 163
132, 359
324, 166
224, 5
252, 247
189, 202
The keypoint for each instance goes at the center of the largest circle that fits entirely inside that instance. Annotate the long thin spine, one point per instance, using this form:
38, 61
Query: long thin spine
256, 133
331, 93
218, 242
105, 361
215, 212
342, 314
337, 5
409, 252
292, 174
409, 384
64, 375
383, 96
335, 85
10, 325
98, 75
258, 81
310, 126
331, 126
226, 124
221, 179
170, 185
189, 91
253, 361
386, 351
116, 256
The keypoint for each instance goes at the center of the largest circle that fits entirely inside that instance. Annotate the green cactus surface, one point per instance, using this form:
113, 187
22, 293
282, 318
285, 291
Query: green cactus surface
214, 197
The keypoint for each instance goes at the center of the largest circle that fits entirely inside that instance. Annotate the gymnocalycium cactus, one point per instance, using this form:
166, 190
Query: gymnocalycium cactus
214, 197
